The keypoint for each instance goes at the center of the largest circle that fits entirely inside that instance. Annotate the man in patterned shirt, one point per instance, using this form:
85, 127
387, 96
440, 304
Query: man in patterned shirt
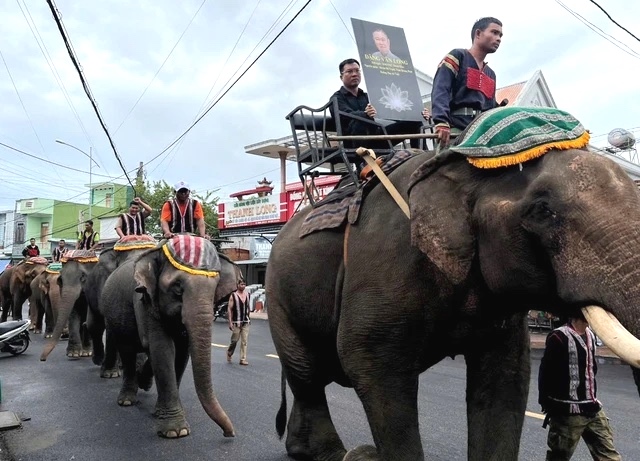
464, 84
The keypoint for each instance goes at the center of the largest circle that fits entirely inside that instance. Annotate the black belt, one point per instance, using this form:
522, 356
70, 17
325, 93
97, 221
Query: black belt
466, 111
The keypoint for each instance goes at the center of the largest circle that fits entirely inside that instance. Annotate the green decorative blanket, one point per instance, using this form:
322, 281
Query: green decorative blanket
510, 135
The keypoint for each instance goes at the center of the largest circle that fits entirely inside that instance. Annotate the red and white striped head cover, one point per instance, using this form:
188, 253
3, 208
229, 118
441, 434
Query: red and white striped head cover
192, 254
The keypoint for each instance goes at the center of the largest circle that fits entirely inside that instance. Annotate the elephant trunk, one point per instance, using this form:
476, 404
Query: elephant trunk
68, 298
198, 318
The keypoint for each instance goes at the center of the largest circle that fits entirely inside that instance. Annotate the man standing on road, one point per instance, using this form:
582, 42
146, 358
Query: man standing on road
567, 393
238, 315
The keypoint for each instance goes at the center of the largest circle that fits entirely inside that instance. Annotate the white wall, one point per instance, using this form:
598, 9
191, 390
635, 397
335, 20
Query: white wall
107, 228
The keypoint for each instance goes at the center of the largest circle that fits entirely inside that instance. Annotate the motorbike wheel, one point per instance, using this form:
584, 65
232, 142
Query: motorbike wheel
19, 345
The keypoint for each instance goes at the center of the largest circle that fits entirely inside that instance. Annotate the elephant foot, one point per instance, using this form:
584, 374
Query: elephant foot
362, 453
111, 373
37, 331
73, 354
173, 427
126, 398
86, 353
32, 327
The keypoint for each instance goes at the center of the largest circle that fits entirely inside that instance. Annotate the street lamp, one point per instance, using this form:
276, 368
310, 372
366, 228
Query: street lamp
91, 162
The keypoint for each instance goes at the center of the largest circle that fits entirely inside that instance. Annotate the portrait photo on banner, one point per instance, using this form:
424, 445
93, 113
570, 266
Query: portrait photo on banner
388, 70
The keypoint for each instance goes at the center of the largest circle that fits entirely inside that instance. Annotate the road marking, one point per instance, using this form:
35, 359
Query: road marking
534, 415
220, 345
273, 356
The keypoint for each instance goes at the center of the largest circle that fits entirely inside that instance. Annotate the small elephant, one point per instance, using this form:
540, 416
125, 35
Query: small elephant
375, 305
157, 305
44, 288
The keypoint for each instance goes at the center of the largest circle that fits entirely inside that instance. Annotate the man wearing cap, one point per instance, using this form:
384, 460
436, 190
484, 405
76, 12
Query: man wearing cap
182, 214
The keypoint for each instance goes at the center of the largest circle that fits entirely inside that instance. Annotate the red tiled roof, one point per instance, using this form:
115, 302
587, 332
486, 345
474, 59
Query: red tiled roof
510, 92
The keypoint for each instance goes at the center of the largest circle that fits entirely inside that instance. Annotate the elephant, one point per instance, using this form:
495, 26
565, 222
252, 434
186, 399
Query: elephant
109, 260
150, 306
5, 293
44, 289
21, 276
372, 305
71, 307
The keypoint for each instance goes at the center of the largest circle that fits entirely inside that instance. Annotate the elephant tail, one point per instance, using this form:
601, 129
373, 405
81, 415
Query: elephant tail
281, 417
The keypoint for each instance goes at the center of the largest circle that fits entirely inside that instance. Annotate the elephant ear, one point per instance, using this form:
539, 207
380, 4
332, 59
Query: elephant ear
440, 214
146, 273
230, 273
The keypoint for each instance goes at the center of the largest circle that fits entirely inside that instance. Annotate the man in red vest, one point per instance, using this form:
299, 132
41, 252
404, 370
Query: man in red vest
182, 214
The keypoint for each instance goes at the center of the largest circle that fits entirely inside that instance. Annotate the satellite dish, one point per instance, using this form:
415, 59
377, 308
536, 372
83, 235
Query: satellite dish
621, 138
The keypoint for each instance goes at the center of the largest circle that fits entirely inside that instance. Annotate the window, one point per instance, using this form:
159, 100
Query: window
108, 200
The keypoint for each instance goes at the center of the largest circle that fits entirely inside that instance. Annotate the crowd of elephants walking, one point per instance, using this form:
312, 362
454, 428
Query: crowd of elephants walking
564, 227
153, 309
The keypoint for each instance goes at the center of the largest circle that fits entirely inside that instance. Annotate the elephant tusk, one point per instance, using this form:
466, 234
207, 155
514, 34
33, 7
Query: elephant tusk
613, 334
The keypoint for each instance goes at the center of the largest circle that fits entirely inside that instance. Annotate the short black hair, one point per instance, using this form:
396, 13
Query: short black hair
62, 240
347, 61
482, 23
32, 239
133, 202
90, 221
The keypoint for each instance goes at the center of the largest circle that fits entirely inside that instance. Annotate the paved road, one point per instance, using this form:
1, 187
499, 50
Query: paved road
72, 413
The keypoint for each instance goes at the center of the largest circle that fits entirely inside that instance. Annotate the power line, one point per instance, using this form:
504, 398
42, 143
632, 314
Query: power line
49, 161
161, 66
232, 85
613, 20
630, 51
343, 23
85, 85
52, 67
177, 147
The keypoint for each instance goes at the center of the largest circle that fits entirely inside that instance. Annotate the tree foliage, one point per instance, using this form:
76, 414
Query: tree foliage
157, 192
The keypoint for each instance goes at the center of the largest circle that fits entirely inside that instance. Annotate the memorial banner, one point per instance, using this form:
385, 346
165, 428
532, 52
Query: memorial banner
388, 71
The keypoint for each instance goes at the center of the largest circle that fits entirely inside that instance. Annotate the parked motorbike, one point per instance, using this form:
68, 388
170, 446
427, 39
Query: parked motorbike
14, 336
220, 310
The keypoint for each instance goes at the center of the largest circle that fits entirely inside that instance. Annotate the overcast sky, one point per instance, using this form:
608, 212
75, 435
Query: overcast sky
121, 45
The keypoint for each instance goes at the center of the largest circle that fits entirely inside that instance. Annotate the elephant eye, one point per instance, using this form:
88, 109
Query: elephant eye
177, 289
541, 210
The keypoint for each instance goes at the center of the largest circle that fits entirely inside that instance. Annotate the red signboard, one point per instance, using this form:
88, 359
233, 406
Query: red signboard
271, 209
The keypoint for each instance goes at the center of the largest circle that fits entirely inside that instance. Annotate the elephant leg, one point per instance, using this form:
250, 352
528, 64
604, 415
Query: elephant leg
145, 372
18, 301
182, 355
39, 316
49, 319
498, 373
129, 391
109, 367
172, 422
74, 346
390, 401
310, 431
95, 326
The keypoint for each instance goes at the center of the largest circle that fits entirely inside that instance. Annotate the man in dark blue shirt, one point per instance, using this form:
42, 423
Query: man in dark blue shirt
464, 85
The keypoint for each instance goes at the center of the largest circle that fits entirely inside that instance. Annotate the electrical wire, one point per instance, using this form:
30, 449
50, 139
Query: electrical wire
613, 20
54, 71
85, 86
232, 85
343, 23
630, 51
161, 66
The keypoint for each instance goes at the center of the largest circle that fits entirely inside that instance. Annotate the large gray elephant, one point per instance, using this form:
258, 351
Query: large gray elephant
5, 293
374, 307
151, 306
92, 284
72, 306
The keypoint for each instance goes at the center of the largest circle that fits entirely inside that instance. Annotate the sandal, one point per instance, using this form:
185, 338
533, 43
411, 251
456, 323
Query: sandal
244, 362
